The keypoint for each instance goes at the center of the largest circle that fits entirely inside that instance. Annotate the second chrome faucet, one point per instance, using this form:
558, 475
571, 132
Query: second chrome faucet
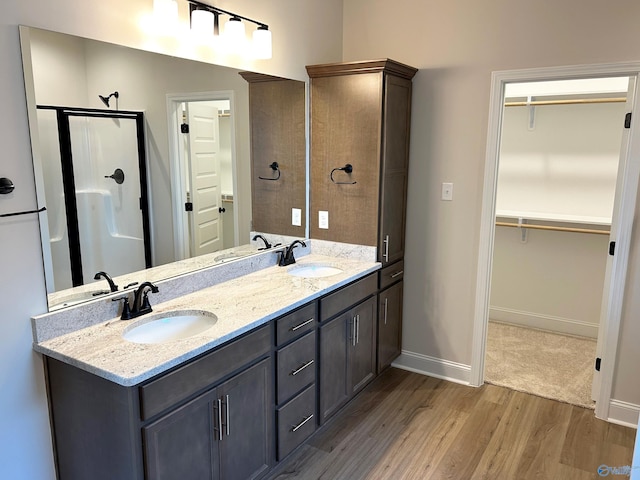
141, 304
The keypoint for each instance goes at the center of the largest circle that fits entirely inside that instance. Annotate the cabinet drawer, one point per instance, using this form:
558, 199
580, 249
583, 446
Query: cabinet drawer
296, 421
179, 384
295, 323
391, 274
296, 366
348, 296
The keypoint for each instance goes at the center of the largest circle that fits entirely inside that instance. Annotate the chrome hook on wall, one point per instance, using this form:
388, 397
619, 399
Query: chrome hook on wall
274, 166
348, 168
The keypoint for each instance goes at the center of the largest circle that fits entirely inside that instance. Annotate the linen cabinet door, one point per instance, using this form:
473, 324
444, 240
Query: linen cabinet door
362, 351
181, 445
246, 449
389, 325
334, 382
395, 162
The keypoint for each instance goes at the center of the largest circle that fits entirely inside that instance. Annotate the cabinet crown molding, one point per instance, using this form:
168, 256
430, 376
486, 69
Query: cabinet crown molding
367, 66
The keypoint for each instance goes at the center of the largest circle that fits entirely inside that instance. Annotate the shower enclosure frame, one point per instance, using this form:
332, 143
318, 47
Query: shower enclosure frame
63, 115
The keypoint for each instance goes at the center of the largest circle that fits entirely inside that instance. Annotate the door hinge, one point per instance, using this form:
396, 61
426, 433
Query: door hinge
612, 248
188, 207
627, 120
598, 362
184, 128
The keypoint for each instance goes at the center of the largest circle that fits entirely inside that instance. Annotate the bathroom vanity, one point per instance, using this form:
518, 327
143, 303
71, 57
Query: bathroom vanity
285, 353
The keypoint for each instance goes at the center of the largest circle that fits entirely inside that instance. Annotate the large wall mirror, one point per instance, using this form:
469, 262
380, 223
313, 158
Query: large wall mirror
143, 162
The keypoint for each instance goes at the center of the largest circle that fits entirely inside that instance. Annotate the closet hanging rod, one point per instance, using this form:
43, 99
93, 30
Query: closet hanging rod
556, 229
575, 101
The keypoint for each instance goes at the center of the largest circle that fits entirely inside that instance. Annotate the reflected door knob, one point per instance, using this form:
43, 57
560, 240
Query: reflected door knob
221, 210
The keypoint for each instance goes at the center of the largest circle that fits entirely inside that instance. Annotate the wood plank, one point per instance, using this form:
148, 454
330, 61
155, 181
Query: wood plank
408, 426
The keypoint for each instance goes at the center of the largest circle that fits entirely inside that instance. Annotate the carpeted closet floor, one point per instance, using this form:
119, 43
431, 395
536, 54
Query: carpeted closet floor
546, 364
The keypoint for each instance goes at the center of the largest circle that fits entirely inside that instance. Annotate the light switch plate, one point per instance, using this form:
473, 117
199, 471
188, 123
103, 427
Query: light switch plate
296, 217
447, 191
323, 219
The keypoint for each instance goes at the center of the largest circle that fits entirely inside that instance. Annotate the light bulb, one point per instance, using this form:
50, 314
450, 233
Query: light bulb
262, 43
234, 36
165, 13
202, 24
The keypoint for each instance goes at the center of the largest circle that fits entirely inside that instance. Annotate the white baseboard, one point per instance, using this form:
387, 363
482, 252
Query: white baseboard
568, 326
624, 413
433, 367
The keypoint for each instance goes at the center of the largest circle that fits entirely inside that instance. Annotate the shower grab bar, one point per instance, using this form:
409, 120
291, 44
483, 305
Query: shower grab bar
26, 212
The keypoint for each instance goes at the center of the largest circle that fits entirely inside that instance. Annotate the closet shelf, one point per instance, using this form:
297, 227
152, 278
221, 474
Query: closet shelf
554, 228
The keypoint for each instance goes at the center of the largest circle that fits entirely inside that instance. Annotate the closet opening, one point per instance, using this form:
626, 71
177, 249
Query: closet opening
561, 182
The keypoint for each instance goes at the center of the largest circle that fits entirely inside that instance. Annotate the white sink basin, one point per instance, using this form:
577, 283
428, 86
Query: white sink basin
169, 326
314, 271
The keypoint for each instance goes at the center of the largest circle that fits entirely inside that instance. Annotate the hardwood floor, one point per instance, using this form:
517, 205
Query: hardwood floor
408, 426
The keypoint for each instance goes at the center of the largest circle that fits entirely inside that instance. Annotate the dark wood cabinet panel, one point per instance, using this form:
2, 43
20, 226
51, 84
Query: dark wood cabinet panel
296, 323
362, 355
246, 449
181, 445
296, 421
296, 366
346, 297
389, 325
334, 388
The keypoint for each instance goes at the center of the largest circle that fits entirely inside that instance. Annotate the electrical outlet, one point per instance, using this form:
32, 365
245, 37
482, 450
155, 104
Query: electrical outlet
447, 191
296, 217
323, 219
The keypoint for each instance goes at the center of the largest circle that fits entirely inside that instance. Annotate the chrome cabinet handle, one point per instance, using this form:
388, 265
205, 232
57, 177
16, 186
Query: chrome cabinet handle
298, 370
397, 274
353, 332
385, 255
228, 408
357, 329
293, 329
297, 427
219, 419
386, 304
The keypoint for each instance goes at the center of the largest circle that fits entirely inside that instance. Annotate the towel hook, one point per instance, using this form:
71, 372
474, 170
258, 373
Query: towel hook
348, 168
274, 166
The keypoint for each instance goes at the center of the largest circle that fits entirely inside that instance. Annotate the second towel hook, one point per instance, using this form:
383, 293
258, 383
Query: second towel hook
348, 168
274, 166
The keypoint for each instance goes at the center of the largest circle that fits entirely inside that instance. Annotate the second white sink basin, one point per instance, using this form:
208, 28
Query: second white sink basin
314, 271
169, 326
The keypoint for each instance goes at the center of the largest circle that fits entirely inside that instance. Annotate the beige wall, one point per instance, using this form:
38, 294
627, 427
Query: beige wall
303, 33
457, 45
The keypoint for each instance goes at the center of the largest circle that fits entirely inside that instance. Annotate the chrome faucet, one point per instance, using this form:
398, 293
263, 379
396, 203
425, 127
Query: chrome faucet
286, 255
112, 286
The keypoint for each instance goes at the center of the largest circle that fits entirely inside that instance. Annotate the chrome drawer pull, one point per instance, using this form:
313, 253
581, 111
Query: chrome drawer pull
297, 427
298, 370
397, 274
228, 415
293, 329
386, 304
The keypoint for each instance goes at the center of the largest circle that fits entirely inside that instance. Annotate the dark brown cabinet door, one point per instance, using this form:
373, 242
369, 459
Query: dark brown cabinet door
334, 387
247, 417
389, 325
362, 349
395, 156
181, 444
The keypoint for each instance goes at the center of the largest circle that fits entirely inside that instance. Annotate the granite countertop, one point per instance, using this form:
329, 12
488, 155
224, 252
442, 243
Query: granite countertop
241, 304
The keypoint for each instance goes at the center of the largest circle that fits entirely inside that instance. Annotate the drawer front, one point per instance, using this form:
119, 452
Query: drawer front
348, 296
296, 367
296, 323
296, 421
179, 384
391, 274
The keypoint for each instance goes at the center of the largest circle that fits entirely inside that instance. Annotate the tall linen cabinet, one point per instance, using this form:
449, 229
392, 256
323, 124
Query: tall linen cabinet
360, 122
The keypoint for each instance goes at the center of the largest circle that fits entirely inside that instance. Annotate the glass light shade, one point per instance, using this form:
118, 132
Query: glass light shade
234, 36
202, 23
165, 13
262, 43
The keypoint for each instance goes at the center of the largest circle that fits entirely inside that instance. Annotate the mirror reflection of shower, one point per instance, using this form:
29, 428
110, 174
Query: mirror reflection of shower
99, 219
105, 99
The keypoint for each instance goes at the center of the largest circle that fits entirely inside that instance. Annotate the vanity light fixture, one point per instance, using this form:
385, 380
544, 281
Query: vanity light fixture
205, 21
165, 13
